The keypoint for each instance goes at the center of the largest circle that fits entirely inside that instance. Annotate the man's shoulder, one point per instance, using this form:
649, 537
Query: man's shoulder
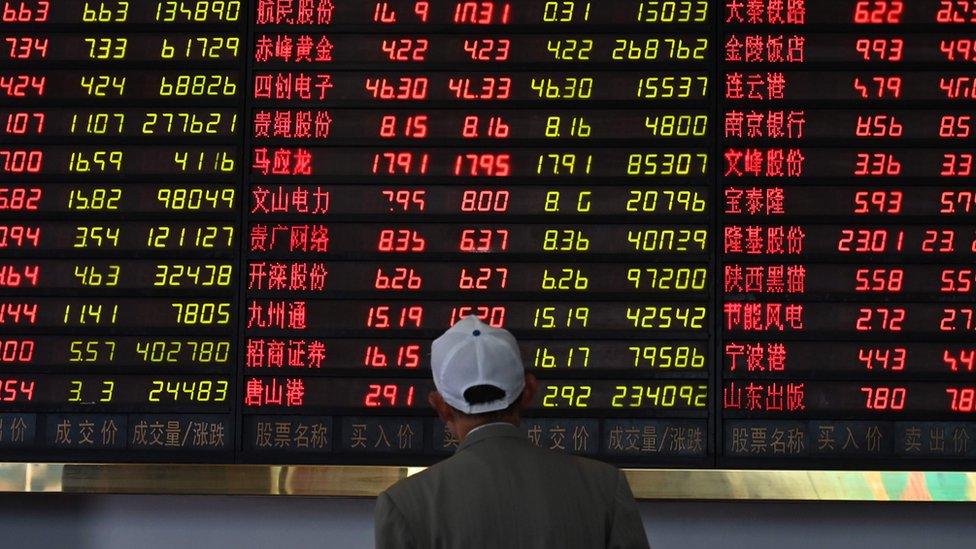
579, 465
464, 464
429, 475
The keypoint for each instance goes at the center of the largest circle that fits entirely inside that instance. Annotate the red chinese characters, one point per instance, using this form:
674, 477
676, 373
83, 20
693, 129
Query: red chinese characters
285, 353
294, 12
754, 396
274, 392
292, 48
766, 12
291, 124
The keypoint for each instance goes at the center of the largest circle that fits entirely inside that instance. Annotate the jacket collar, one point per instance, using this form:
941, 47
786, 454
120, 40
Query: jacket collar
491, 430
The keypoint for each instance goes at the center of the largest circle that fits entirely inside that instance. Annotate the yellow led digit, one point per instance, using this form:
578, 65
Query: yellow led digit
157, 389
566, 11
105, 11
74, 393
202, 313
565, 279
108, 390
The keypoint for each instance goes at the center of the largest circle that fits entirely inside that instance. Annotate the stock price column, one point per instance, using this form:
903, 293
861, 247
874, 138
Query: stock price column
543, 165
848, 233
119, 159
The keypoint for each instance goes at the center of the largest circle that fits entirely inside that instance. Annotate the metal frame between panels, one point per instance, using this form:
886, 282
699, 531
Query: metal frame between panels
369, 481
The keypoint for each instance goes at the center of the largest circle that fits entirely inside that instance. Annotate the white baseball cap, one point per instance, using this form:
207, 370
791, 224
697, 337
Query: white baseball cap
473, 353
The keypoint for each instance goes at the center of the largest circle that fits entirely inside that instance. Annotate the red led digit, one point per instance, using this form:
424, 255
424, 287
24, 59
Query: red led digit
400, 163
958, 319
959, 49
877, 164
381, 395
9, 390
390, 394
388, 126
13, 313
484, 240
963, 361
412, 316
957, 281
485, 201
489, 88
482, 13
470, 130
957, 87
405, 49
406, 200
17, 350
957, 165
21, 161
23, 85
891, 359
401, 241
885, 398
20, 198
378, 317
413, 126
384, 13
878, 202
405, 88
12, 277
422, 10
24, 12
493, 316
880, 49
483, 278
14, 390
383, 317
17, 236
878, 125
27, 389
954, 202
878, 87
24, 47
375, 357
876, 12
483, 165
873, 241
474, 128
22, 123
956, 11
879, 280
939, 241
372, 399
401, 278
488, 49
408, 356
886, 319
955, 127
962, 399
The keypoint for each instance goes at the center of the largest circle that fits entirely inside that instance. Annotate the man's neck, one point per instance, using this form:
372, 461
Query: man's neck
466, 430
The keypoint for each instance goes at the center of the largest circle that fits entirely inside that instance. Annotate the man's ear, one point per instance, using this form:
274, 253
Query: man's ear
528, 393
445, 412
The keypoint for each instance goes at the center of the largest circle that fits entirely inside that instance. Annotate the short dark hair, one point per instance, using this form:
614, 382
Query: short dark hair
482, 394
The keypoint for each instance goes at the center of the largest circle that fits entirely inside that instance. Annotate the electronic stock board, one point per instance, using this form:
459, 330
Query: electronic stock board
735, 233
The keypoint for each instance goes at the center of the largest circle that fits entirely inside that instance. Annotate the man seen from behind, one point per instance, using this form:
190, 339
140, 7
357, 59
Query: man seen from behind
499, 491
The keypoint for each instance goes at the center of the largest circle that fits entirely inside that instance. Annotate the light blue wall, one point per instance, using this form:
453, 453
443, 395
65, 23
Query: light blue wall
157, 522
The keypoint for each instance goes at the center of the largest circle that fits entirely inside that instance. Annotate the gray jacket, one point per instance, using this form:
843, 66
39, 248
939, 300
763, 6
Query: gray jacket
501, 492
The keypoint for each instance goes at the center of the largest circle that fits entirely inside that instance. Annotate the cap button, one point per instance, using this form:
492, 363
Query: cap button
476, 332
